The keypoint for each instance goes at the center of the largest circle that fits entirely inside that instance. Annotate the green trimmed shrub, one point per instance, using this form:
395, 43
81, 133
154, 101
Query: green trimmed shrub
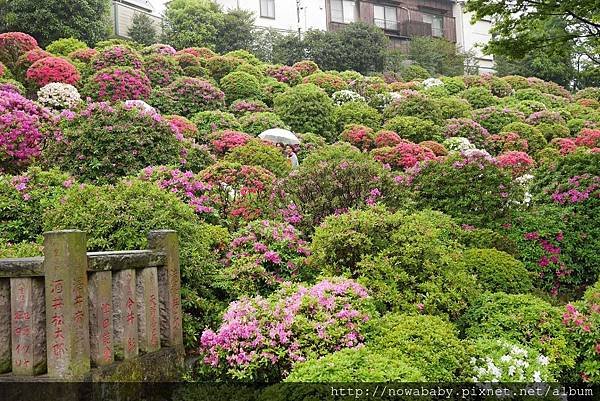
259, 153
330, 83
551, 131
212, 121
240, 85
413, 72
219, 66
65, 46
307, 108
454, 107
356, 113
162, 70
497, 271
414, 104
257, 123
494, 118
414, 129
479, 97
534, 137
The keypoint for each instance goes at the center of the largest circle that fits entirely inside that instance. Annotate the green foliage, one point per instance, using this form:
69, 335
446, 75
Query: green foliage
19, 250
257, 123
142, 29
307, 108
479, 97
212, 121
453, 107
428, 343
525, 319
355, 365
112, 142
189, 23
329, 82
414, 105
240, 85
258, 153
414, 72
54, 19
551, 131
65, 46
535, 138
437, 55
236, 31
414, 129
497, 271
356, 113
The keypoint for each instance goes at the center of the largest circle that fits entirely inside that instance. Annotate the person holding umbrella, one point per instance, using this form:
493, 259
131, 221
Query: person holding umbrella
281, 137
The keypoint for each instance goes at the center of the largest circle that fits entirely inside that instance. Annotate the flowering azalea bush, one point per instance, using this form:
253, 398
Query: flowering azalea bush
21, 130
518, 163
493, 119
385, 138
13, 45
161, 69
466, 128
212, 121
117, 56
306, 67
59, 96
330, 83
359, 136
226, 140
262, 338
403, 156
285, 74
187, 96
345, 96
118, 83
52, 69
259, 122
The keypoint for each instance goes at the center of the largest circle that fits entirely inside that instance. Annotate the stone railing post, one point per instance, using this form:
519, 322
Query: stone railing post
67, 311
169, 287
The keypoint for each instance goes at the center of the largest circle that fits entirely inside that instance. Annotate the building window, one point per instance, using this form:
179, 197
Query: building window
437, 24
267, 9
343, 11
386, 17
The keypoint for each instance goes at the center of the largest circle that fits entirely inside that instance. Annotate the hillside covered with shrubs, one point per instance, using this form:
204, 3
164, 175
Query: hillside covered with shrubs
437, 229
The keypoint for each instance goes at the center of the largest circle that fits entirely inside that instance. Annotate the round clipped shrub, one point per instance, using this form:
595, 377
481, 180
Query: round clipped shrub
240, 85
414, 71
315, 189
506, 142
535, 139
13, 45
437, 148
454, 107
309, 143
118, 83
414, 104
402, 156
211, 121
551, 131
245, 56
330, 83
362, 365
356, 113
523, 318
52, 69
466, 128
497, 271
158, 48
187, 60
259, 153
469, 186
11, 85
358, 135
200, 52
161, 69
307, 108
219, 66
284, 74
59, 96
244, 106
528, 107
494, 118
428, 343
414, 129
257, 123
346, 96
117, 56
25, 195
21, 130
65, 46
589, 138
545, 116
26, 60
518, 163
183, 126
137, 139
224, 141
261, 339
385, 138
187, 96
109, 43
84, 55
479, 97
271, 88
306, 67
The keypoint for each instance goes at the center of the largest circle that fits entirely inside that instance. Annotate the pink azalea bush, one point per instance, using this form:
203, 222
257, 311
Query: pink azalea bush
262, 338
358, 135
564, 145
52, 69
518, 163
306, 67
117, 56
161, 69
545, 116
506, 142
187, 96
466, 128
403, 156
182, 126
385, 138
118, 83
590, 138
26, 60
84, 55
285, 74
226, 140
21, 130
13, 45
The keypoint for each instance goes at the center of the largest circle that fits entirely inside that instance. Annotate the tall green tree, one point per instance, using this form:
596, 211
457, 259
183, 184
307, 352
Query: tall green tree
190, 23
142, 29
48, 20
236, 32
438, 56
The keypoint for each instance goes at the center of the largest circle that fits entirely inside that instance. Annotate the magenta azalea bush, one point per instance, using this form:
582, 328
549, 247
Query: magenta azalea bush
52, 69
262, 338
466, 128
117, 56
21, 130
13, 45
187, 96
118, 83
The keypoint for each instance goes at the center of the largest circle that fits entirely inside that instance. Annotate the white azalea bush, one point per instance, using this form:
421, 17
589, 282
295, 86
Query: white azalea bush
498, 360
346, 96
458, 144
58, 96
431, 82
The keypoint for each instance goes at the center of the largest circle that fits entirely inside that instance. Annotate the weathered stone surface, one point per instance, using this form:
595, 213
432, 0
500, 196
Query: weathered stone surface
121, 260
125, 319
148, 309
169, 287
67, 307
28, 341
22, 267
101, 318
5, 331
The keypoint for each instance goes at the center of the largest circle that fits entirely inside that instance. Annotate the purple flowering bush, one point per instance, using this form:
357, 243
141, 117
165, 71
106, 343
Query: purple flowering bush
103, 142
494, 118
162, 69
262, 338
187, 96
118, 83
21, 130
263, 255
466, 128
117, 56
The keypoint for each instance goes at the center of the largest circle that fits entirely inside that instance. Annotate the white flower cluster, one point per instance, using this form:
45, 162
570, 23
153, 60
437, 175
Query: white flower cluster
431, 82
458, 144
58, 96
510, 363
525, 182
139, 104
346, 96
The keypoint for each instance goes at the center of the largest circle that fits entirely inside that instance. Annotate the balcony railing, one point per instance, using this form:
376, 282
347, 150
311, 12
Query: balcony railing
407, 29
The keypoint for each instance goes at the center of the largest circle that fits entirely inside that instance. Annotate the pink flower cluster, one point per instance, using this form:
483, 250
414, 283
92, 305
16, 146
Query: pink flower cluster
518, 163
21, 133
121, 83
549, 262
160, 48
27, 59
564, 145
545, 116
572, 317
182, 126
306, 67
117, 56
52, 69
285, 74
242, 106
466, 128
578, 189
13, 45
186, 185
387, 138
404, 155
590, 138
359, 136
261, 338
85, 55
228, 139
505, 142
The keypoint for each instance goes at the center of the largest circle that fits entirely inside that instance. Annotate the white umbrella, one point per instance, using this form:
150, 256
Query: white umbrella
279, 135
